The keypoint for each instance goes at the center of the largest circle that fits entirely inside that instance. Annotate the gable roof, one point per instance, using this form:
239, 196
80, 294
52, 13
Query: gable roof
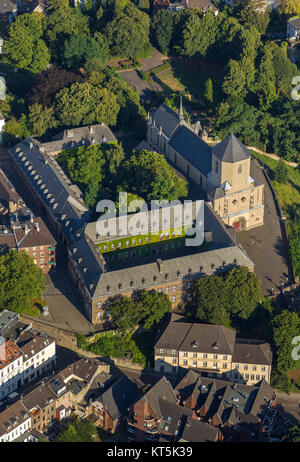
252, 352
119, 397
192, 148
231, 150
166, 118
162, 390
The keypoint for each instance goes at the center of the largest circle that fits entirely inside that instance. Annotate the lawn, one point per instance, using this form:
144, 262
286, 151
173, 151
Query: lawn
288, 194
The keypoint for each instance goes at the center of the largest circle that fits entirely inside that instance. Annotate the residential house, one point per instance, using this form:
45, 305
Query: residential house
14, 422
11, 368
110, 408
202, 5
213, 350
157, 414
242, 412
8, 11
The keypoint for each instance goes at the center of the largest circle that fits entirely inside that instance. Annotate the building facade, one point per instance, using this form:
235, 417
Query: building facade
213, 350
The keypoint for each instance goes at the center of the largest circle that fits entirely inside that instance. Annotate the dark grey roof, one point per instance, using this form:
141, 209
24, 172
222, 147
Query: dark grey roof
295, 22
64, 200
7, 318
231, 150
80, 136
166, 118
7, 6
198, 338
252, 352
192, 148
200, 432
119, 397
143, 145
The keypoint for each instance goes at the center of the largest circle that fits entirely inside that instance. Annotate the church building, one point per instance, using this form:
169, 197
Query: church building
222, 171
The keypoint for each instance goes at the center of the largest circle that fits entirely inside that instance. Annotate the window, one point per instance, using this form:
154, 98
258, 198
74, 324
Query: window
245, 367
174, 360
205, 364
215, 356
216, 166
263, 368
240, 169
174, 288
174, 299
258, 377
215, 365
161, 350
225, 357
185, 353
185, 362
254, 368
247, 376
167, 290
194, 363
236, 366
204, 355
252, 377
225, 366
194, 355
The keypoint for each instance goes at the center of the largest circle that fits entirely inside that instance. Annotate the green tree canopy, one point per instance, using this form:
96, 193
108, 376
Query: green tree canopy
285, 327
20, 281
78, 431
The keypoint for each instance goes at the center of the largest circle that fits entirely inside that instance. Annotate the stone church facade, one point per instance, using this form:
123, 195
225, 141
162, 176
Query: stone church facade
221, 171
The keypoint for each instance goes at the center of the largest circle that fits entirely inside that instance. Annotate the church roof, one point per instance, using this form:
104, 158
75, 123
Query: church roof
231, 150
192, 148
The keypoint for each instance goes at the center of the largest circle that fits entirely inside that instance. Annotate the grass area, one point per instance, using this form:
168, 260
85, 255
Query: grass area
289, 193
171, 81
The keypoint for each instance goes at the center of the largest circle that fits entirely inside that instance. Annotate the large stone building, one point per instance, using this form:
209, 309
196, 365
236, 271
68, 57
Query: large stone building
221, 171
214, 351
97, 273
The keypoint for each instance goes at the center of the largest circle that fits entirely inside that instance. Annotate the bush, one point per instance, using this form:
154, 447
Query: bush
146, 51
281, 381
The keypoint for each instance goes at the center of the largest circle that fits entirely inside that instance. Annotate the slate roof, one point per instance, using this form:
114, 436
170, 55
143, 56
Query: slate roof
166, 118
80, 136
197, 338
192, 148
12, 417
119, 397
143, 145
230, 402
231, 150
252, 352
295, 22
199, 432
201, 4
64, 200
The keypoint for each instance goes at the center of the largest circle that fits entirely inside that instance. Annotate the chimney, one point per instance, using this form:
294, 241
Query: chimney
26, 228
31, 218
103, 139
160, 265
37, 227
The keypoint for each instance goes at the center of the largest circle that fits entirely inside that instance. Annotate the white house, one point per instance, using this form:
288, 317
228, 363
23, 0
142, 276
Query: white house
14, 422
11, 369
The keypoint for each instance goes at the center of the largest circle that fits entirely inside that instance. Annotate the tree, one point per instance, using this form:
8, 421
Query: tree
208, 93
125, 313
290, 7
83, 103
24, 47
80, 48
235, 79
78, 431
242, 288
281, 173
280, 380
148, 175
20, 281
266, 81
128, 32
41, 119
285, 327
49, 82
208, 301
153, 307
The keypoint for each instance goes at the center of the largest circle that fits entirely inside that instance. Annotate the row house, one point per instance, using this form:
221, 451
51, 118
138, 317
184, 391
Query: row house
213, 350
24, 361
14, 422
